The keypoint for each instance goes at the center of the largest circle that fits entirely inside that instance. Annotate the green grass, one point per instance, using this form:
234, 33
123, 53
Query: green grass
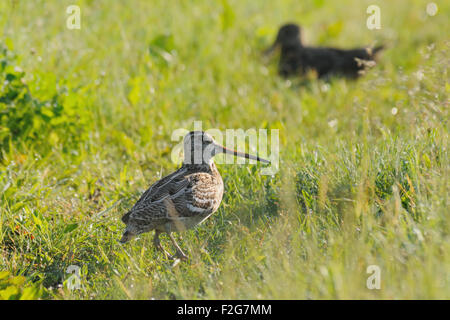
86, 124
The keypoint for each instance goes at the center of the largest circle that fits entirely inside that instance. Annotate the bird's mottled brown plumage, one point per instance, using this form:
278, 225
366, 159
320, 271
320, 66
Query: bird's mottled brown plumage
171, 203
182, 199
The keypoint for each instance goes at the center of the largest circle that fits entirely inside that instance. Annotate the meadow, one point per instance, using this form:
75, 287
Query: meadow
86, 118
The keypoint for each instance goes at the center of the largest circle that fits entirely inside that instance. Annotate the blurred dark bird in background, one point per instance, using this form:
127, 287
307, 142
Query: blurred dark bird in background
297, 59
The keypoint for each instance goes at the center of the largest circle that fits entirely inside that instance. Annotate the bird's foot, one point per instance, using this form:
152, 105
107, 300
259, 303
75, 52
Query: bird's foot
182, 256
178, 255
166, 254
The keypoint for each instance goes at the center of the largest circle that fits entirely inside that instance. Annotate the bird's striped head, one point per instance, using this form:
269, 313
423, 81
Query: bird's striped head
200, 148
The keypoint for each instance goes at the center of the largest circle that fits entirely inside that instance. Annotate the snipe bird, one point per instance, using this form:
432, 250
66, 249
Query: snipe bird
297, 59
184, 198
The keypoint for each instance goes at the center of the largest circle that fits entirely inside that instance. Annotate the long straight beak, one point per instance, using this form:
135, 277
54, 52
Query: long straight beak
240, 154
271, 49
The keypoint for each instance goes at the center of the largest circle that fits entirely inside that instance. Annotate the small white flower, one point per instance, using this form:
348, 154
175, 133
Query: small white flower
419, 75
394, 111
432, 9
332, 123
325, 87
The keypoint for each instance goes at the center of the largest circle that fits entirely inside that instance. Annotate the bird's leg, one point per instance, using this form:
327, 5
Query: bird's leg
180, 254
157, 244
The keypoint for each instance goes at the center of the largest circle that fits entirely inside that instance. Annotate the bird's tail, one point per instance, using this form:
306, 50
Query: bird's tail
127, 235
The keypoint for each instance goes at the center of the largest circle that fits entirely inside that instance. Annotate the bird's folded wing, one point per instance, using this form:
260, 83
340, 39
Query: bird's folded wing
160, 205
161, 187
